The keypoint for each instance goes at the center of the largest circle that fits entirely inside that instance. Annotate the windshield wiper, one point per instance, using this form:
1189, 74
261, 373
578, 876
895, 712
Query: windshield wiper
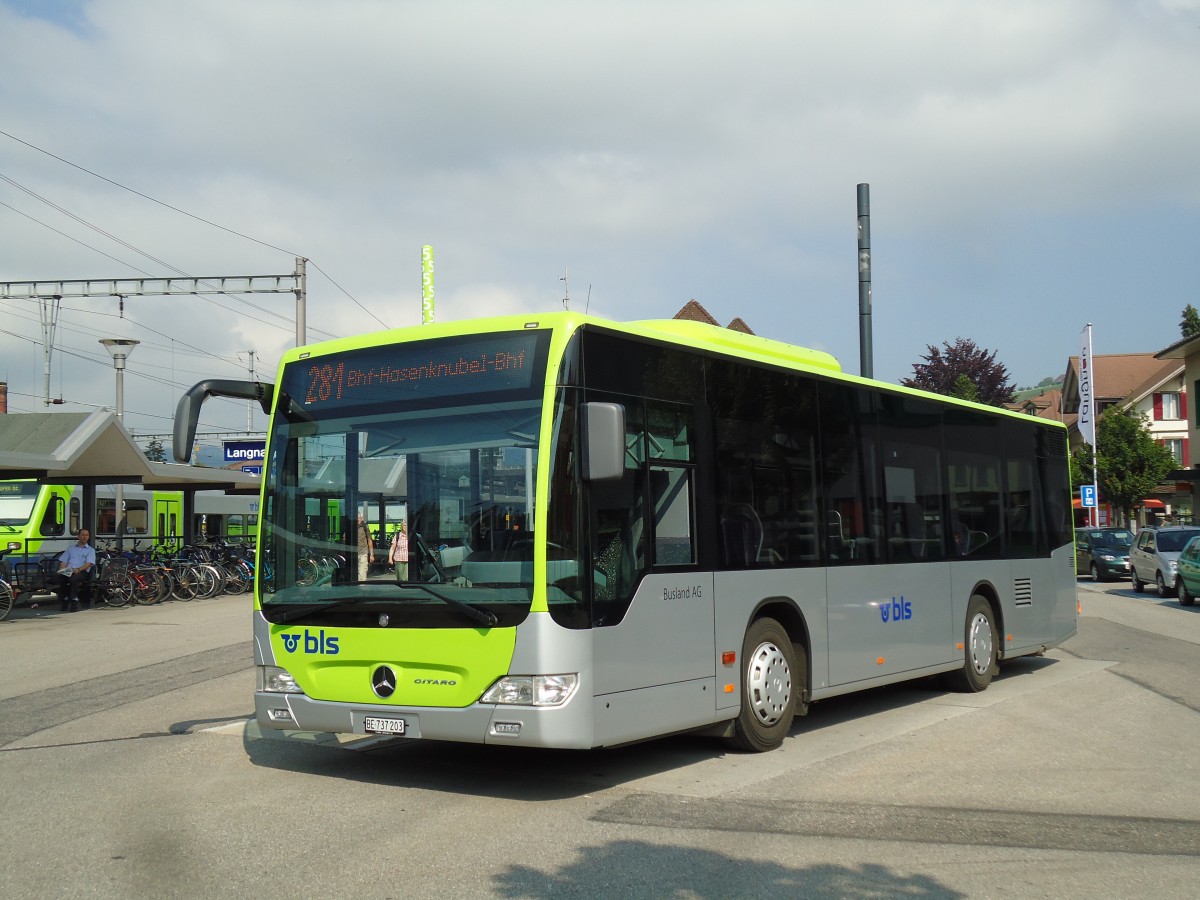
474, 613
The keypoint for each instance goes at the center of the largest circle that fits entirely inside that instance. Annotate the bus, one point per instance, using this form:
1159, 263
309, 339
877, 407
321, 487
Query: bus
618, 531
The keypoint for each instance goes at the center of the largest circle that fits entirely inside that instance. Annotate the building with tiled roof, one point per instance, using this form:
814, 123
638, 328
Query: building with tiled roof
1186, 353
1151, 386
694, 312
1115, 378
1046, 405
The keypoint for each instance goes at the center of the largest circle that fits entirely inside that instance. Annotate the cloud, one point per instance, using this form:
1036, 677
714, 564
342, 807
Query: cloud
656, 152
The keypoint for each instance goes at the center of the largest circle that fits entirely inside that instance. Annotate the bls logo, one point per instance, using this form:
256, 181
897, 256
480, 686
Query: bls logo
313, 643
897, 610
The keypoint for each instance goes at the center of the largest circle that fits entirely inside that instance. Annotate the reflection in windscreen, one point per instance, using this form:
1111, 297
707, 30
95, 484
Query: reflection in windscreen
460, 481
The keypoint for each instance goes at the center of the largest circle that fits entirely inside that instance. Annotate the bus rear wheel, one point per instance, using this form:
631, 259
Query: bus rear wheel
981, 649
771, 684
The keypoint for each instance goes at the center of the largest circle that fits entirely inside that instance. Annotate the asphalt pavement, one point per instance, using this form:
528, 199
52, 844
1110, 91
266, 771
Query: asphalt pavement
125, 737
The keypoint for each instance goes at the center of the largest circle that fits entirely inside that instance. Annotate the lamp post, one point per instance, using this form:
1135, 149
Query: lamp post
119, 349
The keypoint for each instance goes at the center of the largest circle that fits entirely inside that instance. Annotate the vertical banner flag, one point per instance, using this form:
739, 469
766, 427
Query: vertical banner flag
1087, 388
427, 285
1087, 412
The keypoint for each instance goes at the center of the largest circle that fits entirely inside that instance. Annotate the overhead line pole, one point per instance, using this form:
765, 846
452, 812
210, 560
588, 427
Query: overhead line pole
51, 291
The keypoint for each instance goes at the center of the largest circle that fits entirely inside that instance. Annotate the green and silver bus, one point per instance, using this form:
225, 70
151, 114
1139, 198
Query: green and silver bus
621, 531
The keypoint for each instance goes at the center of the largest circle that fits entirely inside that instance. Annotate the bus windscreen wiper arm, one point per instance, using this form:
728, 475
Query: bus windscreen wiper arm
474, 613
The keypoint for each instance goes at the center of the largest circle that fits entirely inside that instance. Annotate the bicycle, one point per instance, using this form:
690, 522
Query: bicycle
8, 596
113, 584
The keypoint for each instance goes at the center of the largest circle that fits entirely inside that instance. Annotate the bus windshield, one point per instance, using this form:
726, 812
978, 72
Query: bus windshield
457, 473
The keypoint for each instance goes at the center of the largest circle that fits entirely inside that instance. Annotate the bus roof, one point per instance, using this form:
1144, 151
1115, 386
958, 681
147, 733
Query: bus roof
696, 335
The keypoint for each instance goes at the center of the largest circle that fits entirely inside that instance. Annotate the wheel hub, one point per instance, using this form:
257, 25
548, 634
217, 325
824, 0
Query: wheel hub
979, 647
768, 683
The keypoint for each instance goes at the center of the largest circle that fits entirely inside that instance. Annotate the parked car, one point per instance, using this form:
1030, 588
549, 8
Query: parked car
1103, 553
1187, 579
1154, 556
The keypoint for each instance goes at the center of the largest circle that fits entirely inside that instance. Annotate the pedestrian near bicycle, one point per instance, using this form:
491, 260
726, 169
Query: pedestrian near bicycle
75, 565
398, 555
366, 548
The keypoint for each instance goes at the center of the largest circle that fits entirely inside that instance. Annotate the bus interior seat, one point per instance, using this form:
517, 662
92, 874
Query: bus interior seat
742, 534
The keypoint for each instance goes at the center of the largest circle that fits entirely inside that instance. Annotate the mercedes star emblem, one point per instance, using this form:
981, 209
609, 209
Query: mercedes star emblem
383, 682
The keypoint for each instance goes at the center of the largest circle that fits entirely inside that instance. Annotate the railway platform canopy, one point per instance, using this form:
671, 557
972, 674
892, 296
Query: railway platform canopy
94, 448
91, 449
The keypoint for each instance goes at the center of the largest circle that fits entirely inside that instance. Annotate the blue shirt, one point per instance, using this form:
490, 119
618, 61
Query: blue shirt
75, 555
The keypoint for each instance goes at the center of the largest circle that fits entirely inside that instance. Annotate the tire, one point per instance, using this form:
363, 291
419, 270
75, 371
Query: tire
1162, 585
146, 587
166, 585
7, 600
1138, 586
981, 649
772, 684
118, 593
184, 583
1095, 573
1181, 591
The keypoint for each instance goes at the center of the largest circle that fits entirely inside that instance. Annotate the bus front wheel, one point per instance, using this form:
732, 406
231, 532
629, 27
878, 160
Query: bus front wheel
772, 682
981, 649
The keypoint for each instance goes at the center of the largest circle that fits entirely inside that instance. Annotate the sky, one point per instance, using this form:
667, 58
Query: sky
1032, 168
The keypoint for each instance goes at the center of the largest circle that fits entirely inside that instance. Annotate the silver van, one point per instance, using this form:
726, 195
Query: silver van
1152, 559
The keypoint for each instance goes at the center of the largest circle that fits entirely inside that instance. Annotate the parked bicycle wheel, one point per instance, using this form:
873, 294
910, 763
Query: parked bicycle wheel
117, 592
7, 599
146, 585
184, 587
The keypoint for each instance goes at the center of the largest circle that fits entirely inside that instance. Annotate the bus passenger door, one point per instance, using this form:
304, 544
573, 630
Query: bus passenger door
652, 608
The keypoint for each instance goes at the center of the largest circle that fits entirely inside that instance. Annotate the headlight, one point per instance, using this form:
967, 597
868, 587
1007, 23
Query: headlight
1107, 557
274, 680
532, 690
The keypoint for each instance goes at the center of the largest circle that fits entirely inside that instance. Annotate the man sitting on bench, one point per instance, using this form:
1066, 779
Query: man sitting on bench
75, 565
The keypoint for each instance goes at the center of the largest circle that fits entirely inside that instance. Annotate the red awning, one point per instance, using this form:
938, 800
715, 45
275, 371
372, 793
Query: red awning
1153, 504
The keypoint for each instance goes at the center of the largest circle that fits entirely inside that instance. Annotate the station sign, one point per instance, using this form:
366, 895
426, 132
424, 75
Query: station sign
249, 452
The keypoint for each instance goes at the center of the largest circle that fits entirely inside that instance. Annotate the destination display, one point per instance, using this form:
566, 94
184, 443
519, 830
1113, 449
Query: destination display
447, 367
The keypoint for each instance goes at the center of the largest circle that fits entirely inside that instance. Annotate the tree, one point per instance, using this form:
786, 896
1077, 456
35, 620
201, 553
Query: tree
942, 369
155, 452
964, 389
1190, 324
1130, 463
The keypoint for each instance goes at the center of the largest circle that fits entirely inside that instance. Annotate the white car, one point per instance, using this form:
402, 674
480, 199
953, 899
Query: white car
1153, 555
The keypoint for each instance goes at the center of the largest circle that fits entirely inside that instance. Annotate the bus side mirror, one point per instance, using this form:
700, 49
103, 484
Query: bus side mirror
603, 441
187, 413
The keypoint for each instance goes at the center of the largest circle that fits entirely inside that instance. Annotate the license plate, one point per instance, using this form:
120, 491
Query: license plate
383, 726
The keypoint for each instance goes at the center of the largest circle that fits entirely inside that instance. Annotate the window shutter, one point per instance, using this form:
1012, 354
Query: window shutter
1183, 405
1187, 460
1158, 407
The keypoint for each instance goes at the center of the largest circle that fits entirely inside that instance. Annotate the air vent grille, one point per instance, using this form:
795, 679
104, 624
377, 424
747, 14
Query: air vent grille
1023, 592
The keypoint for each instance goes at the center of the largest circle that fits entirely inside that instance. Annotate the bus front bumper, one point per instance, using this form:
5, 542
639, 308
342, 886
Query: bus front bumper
568, 726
